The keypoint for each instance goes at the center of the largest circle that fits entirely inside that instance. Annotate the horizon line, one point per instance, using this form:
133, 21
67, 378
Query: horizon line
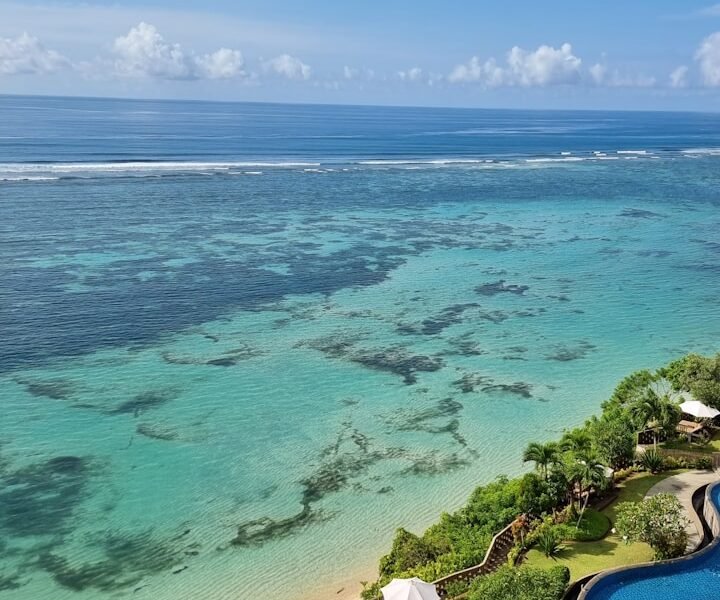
356, 105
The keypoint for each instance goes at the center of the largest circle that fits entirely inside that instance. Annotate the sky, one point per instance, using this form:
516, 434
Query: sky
644, 54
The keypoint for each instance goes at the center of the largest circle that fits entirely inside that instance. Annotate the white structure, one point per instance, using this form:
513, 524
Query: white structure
698, 409
409, 589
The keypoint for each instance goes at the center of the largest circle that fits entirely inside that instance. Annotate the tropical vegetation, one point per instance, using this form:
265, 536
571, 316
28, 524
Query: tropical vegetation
550, 506
524, 583
657, 521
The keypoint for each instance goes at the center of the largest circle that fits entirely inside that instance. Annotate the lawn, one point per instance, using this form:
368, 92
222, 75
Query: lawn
584, 558
712, 446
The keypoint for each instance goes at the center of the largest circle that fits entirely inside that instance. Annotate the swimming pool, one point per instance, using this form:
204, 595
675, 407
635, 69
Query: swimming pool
696, 576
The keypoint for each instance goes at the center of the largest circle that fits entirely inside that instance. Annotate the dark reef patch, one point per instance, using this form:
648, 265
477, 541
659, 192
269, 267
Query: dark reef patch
500, 287
468, 382
519, 388
464, 345
436, 465
566, 353
227, 359
126, 559
397, 359
260, 531
40, 498
156, 432
654, 253
447, 317
351, 455
147, 401
55, 389
638, 213
399, 362
10, 582
412, 420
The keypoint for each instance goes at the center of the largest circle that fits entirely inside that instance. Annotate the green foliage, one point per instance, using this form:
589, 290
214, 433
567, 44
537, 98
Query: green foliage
576, 440
538, 496
549, 541
459, 540
408, 551
703, 463
651, 460
613, 437
455, 588
545, 456
656, 412
700, 375
630, 388
523, 583
657, 521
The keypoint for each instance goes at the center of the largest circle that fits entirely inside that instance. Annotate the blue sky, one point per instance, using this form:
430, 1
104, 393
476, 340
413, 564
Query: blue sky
635, 55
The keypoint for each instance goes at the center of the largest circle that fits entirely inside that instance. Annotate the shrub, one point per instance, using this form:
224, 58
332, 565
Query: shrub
522, 583
549, 541
613, 437
704, 462
658, 521
672, 462
651, 460
455, 588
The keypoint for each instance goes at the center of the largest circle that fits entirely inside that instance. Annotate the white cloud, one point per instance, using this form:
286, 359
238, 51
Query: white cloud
544, 66
678, 78
288, 66
143, 52
352, 73
476, 71
222, 64
708, 55
26, 55
602, 76
598, 73
413, 74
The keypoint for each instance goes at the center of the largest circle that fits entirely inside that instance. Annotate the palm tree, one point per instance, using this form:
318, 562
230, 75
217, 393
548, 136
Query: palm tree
656, 412
575, 440
587, 472
543, 455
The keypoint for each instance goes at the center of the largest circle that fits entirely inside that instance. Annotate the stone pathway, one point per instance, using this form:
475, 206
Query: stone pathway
682, 486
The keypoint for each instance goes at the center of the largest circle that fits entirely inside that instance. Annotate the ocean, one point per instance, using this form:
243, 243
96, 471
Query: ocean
243, 343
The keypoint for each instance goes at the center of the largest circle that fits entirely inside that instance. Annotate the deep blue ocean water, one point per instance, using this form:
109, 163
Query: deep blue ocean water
243, 335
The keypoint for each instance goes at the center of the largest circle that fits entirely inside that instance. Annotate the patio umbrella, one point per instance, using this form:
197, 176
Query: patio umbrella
409, 589
699, 410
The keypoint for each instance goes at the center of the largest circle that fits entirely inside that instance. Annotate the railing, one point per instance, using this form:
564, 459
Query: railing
691, 455
495, 556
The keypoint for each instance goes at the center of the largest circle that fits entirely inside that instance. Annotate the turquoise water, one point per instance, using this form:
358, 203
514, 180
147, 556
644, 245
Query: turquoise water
239, 367
695, 578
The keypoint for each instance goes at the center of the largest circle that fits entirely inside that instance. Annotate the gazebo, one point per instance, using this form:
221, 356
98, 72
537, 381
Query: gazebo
697, 410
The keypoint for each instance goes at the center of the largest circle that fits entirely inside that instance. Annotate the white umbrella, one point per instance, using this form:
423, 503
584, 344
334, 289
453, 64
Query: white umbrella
699, 410
409, 589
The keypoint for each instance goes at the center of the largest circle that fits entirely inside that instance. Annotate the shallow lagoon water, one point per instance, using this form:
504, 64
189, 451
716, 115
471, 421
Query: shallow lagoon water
217, 384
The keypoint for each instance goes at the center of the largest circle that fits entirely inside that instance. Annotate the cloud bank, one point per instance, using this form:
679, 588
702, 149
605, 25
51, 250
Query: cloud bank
289, 67
143, 52
708, 57
25, 55
545, 66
